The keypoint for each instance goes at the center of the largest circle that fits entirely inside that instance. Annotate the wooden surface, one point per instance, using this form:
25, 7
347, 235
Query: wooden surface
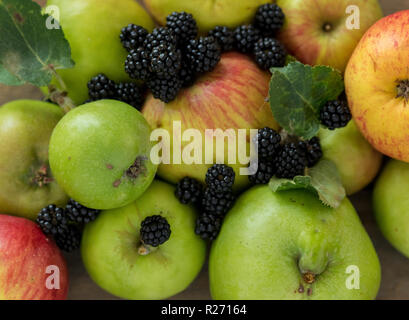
395, 267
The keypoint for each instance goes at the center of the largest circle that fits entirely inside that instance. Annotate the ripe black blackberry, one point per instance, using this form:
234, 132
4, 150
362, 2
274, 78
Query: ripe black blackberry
268, 141
335, 114
269, 18
183, 26
159, 36
224, 36
220, 178
314, 151
165, 89
137, 64
217, 203
52, 220
101, 87
203, 54
130, 93
187, 74
133, 36
269, 53
166, 60
292, 160
80, 214
246, 37
208, 226
70, 240
266, 170
189, 190
155, 230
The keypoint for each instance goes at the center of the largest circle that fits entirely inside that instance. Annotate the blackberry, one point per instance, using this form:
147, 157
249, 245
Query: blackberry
224, 36
52, 220
268, 141
335, 114
165, 89
159, 36
133, 36
130, 93
314, 151
183, 26
220, 178
269, 18
155, 230
101, 87
292, 160
246, 37
188, 190
217, 203
208, 226
265, 171
166, 60
137, 64
186, 74
79, 214
269, 53
70, 240
203, 54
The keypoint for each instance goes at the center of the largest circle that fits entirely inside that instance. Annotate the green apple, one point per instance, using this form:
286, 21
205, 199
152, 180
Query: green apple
111, 255
358, 163
26, 182
100, 154
287, 245
208, 13
92, 28
391, 204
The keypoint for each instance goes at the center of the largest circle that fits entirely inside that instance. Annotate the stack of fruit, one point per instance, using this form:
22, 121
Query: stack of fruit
82, 165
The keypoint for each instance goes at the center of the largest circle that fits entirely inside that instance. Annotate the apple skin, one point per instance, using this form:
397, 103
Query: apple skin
25, 253
232, 96
25, 131
110, 244
304, 36
208, 14
358, 163
269, 240
391, 204
379, 61
92, 28
93, 146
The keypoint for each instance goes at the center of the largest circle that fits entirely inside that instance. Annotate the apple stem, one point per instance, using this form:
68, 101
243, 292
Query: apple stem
144, 249
327, 27
61, 98
403, 89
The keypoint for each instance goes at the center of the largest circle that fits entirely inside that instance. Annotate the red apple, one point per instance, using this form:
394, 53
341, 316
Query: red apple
31, 265
316, 31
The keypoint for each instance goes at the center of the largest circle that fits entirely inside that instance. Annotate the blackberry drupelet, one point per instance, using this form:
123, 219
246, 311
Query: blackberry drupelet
268, 141
133, 36
269, 53
217, 203
183, 26
246, 37
79, 214
220, 178
266, 170
70, 240
314, 151
159, 36
208, 226
137, 64
166, 60
165, 89
52, 220
187, 74
130, 93
224, 36
155, 230
292, 160
269, 18
335, 114
203, 54
189, 190
101, 87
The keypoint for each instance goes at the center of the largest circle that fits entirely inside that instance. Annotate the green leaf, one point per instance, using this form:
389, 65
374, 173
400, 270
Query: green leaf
297, 94
29, 51
323, 180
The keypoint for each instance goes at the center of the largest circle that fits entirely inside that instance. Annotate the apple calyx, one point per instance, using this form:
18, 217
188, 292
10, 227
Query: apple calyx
145, 249
41, 177
308, 277
137, 168
327, 27
403, 89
